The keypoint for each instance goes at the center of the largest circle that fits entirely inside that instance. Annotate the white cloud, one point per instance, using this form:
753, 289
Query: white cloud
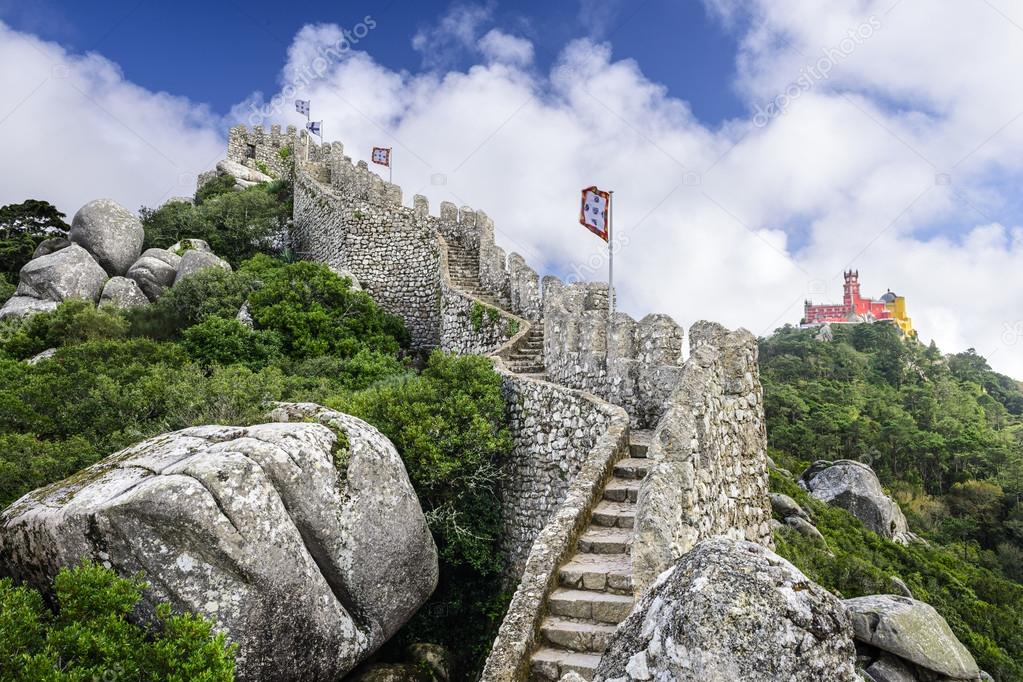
454, 34
72, 129
734, 222
498, 46
739, 223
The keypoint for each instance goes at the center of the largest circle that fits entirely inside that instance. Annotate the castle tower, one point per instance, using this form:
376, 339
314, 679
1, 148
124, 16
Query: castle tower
852, 289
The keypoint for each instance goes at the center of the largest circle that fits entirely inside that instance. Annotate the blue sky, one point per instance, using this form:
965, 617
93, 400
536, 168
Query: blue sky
219, 51
891, 143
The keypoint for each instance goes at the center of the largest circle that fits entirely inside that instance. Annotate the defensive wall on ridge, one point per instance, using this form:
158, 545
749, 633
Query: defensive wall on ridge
571, 424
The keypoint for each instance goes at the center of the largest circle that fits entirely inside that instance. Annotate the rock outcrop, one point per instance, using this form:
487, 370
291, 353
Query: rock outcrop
733, 610
912, 631
121, 292
68, 273
20, 306
853, 486
309, 549
51, 245
105, 241
195, 260
155, 271
110, 232
243, 175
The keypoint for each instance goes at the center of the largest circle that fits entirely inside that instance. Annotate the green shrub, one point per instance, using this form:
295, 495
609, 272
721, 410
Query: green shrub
74, 321
221, 184
317, 313
91, 636
236, 224
327, 375
982, 608
209, 293
220, 341
6, 289
449, 425
26, 462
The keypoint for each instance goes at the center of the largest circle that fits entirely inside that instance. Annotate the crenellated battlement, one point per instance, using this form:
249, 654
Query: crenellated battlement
635, 364
276, 149
576, 380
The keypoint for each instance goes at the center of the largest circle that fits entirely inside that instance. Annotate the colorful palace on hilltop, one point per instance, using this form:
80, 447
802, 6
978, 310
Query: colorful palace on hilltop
855, 309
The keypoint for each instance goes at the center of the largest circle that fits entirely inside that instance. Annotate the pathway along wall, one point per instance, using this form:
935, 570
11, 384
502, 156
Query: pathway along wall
710, 475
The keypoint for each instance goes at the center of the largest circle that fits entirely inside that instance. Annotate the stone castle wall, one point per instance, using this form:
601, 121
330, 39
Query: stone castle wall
556, 430
392, 251
710, 456
603, 379
633, 364
257, 147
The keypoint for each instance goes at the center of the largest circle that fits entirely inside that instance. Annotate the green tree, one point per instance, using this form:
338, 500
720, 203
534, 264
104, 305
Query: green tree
236, 224
449, 425
22, 227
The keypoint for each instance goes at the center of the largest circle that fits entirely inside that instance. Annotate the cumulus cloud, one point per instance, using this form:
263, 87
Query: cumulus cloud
498, 46
891, 153
73, 129
454, 34
893, 162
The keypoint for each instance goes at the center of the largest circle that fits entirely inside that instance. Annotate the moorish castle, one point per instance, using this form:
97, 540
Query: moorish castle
625, 455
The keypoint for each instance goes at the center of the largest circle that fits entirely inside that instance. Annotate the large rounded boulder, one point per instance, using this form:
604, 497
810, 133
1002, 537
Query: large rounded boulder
110, 232
195, 260
155, 271
304, 541
853, 486
732, 610
68, 273
911, 630
123, 293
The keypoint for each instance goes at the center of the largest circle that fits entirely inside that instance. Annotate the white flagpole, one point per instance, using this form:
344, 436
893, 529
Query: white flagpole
390, 165
308, 133
610, 273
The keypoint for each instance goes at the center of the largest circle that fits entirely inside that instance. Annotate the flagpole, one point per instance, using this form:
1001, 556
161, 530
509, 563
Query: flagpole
390, 166
610, 272
308, 133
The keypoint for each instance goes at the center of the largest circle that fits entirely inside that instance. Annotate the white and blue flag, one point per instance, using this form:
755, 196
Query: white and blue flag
314, 128
594, 212
302, 106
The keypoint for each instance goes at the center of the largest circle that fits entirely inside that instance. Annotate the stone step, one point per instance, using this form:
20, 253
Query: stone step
621, 490
576, 635
598, 572
539, 376
550, 664
639, 442
633, 468
603, 607
602, 540
614, 514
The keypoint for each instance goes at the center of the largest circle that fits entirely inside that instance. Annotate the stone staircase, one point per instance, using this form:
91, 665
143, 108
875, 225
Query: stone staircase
464, 270
595, 585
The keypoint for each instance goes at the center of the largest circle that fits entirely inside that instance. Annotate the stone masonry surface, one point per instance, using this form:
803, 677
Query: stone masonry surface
583, 396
